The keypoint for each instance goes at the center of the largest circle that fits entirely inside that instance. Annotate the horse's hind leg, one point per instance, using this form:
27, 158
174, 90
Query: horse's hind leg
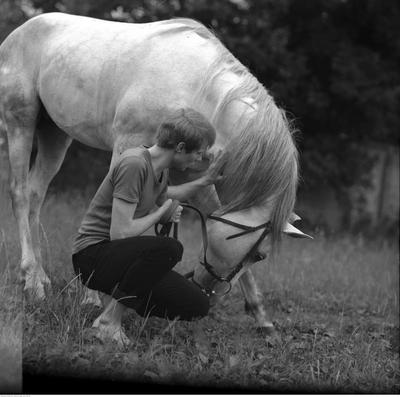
52, 144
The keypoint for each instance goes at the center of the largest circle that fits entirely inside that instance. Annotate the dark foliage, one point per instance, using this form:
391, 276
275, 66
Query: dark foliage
332, 64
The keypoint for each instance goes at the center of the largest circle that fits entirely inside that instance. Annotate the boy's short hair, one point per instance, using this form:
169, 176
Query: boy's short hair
188, 126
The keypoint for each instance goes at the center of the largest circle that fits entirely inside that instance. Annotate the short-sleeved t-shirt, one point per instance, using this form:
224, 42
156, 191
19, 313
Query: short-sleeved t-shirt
132, 179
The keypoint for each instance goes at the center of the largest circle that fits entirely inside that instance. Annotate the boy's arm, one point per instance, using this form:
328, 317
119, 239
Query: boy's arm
122, 223
186, 190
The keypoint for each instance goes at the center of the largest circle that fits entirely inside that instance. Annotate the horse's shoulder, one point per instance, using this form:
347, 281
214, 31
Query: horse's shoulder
46, 19
54, 17
184, 26
40, 25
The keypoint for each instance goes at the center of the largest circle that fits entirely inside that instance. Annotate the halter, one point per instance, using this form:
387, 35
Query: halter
165, 230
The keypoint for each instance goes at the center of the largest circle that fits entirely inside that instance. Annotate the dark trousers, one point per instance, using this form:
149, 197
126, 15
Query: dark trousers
137, 272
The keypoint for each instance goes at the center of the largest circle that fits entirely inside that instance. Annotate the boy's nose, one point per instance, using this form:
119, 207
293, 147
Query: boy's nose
207, 156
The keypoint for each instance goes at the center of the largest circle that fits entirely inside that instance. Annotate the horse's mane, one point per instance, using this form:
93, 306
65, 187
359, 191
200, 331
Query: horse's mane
260, 163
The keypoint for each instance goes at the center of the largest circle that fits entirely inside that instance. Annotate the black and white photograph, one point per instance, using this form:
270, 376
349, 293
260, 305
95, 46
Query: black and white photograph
199, 196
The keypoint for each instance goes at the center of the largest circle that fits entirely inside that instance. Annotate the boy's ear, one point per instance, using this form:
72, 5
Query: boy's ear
180, 147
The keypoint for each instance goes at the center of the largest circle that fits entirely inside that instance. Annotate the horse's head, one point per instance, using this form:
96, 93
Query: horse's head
236, 241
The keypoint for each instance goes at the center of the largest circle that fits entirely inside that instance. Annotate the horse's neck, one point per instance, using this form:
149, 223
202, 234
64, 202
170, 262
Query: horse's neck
253, 216
216, 104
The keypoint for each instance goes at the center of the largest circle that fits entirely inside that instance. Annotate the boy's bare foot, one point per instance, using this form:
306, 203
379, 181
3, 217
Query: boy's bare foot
110, 333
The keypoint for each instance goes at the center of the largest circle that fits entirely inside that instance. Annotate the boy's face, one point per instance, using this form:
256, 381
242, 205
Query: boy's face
183, 159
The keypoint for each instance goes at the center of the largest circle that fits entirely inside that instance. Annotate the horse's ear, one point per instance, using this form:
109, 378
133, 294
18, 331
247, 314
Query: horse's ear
292, 231
293, 217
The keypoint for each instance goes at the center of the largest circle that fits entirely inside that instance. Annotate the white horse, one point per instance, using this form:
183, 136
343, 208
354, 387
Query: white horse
109, 85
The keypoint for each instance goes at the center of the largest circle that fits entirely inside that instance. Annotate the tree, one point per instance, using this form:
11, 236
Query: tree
11, 16
332, 64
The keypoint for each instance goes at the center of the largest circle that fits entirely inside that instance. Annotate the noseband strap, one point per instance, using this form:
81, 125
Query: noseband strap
245, 230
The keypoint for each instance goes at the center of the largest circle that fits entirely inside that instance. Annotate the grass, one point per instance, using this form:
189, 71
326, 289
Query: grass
334, 301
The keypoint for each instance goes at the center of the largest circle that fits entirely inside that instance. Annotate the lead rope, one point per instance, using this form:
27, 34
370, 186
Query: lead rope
165, 231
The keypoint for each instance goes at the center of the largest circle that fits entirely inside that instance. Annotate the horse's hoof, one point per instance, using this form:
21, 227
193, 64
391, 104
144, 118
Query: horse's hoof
32, 295
269, 330
35, 292
36, 284
44, 278
271, 335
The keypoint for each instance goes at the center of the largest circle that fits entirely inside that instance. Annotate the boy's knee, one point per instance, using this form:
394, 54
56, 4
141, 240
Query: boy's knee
198, 309
172, 248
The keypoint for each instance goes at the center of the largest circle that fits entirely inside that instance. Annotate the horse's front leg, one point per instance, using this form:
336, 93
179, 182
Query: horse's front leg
254, 302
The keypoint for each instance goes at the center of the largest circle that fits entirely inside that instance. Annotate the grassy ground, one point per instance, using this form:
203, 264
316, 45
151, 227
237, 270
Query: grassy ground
334, 300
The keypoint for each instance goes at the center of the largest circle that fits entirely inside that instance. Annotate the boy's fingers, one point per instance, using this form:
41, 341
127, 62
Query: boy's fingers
218, 154
213, 156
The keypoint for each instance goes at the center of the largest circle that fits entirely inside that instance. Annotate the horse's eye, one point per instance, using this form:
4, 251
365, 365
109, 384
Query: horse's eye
259, 256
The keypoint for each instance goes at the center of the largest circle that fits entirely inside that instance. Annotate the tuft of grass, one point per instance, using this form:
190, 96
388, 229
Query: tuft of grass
346, 273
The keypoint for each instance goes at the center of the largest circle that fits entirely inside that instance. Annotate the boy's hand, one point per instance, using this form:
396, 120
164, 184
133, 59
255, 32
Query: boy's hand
170, 211
164, 211
213, 173
176, 216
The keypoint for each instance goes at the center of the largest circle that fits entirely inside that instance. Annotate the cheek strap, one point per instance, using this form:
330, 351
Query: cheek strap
246, 229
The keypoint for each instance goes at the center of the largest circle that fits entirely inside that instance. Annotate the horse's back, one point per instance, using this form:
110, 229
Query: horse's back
51, 34
83, 69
